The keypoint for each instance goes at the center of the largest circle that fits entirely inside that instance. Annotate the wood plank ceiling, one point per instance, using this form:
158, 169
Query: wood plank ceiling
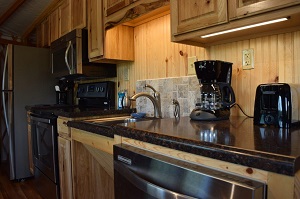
18, 18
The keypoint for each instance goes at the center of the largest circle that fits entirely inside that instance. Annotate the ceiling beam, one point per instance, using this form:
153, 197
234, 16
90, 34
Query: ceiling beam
10, 10
52, 6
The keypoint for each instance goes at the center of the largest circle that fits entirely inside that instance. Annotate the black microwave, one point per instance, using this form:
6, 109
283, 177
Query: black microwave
69, 54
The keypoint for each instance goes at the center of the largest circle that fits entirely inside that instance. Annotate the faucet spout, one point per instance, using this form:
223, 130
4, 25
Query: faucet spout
156, 102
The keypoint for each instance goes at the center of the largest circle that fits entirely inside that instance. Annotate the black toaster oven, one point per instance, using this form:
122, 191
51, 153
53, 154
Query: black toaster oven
277, 104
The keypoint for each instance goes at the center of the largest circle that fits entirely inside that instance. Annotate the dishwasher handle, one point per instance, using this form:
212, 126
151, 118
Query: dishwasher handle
147, 187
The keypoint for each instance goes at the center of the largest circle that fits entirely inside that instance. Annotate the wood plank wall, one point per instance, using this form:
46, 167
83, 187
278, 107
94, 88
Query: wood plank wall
276, 58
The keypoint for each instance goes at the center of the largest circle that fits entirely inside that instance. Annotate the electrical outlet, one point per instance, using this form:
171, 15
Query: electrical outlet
126, 73
248, 59
191, 65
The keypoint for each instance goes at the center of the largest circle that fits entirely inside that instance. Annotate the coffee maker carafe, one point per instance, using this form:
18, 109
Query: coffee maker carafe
216, 94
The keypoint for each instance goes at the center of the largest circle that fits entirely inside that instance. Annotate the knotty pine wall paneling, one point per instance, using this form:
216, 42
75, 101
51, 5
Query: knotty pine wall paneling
155, 55
276, 59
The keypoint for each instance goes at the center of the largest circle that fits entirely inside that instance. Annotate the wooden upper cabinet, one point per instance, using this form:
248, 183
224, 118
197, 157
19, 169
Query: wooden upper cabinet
193, 19
115, 5
54, 27
78, 13
95, 29
64, 18
39, 36
111, 46
189, 15
46, 32
119, 43
242, 8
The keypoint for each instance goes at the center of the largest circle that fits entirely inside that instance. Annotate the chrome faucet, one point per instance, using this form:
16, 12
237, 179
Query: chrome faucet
155, 99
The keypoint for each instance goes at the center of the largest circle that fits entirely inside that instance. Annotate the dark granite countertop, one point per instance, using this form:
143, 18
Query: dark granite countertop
75, 111
236, 140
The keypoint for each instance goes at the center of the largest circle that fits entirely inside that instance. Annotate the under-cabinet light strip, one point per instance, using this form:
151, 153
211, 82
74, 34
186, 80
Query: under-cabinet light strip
245, 27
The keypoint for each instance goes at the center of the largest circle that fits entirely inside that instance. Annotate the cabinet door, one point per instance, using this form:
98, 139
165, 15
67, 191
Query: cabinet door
92, 172
78, 13
242, 8
46, 33
189, 15
119, 43
65, 168
39, 36
64, 18
115, 5
54, 26
30, 152
95, 29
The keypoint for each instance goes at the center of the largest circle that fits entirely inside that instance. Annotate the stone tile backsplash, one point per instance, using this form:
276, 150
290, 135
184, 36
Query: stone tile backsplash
184, 89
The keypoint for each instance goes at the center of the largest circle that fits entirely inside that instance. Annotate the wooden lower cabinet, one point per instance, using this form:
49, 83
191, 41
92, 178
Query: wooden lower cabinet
92, 165
65, 168
92, 172
29, 137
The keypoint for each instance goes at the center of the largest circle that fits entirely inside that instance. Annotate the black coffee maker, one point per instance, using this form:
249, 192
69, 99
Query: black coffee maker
65, 89
216, 94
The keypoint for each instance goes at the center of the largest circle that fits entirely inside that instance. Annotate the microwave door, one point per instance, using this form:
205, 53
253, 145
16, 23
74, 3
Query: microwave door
59, 67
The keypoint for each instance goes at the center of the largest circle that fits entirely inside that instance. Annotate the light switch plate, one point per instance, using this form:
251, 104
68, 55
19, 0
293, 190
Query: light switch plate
191, 65
126, 73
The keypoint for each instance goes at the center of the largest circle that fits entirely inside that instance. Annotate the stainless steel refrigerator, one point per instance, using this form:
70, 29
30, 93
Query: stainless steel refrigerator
26, 80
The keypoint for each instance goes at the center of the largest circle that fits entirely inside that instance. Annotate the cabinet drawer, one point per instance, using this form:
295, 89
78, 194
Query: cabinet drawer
62, 128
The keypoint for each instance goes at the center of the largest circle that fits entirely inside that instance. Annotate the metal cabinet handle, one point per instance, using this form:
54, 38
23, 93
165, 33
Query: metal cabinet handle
147, 187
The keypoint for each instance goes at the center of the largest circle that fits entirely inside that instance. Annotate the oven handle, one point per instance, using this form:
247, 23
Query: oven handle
39, 119
146, 186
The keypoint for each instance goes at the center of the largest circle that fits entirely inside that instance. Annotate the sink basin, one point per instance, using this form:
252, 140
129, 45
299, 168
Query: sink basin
117, 120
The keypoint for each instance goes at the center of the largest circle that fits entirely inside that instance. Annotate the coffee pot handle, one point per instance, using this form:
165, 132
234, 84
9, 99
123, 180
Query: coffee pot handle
231, 93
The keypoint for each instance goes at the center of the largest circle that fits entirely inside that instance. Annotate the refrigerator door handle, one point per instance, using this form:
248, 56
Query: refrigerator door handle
7, 122
3, 93
66, 56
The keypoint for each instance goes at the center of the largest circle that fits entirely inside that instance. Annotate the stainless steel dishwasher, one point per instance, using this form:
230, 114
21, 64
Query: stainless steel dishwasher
141, 174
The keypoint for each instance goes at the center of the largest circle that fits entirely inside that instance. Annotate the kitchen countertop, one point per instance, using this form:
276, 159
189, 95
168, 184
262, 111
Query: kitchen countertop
76, 111
236, 140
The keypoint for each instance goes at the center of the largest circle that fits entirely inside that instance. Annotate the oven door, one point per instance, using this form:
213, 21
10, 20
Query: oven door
44, 144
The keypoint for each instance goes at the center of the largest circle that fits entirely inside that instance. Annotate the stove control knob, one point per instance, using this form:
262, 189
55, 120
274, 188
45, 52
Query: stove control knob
97, 89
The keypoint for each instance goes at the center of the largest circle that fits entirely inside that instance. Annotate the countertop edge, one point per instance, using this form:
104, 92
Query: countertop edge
283, 165
277, 164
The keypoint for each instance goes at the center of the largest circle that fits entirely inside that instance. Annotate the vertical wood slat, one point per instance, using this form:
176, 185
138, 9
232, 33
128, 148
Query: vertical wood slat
296, 58
276, 59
